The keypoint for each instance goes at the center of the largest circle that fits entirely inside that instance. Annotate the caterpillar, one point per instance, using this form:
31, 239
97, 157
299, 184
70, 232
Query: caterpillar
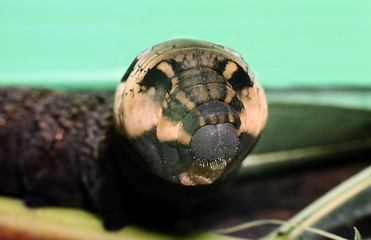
184, 116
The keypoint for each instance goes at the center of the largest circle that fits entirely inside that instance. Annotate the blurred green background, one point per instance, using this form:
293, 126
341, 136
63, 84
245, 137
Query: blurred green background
89, 44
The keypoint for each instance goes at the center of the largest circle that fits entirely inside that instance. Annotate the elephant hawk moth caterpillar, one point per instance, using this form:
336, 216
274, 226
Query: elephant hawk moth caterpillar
184, 116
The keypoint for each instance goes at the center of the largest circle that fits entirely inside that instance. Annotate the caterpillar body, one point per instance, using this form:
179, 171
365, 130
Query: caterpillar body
184, 116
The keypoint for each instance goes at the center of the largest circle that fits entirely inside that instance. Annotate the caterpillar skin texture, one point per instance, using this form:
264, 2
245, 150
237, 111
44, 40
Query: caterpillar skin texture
184, 116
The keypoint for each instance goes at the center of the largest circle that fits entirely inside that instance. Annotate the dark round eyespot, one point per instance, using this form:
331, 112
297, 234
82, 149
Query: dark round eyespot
217, 142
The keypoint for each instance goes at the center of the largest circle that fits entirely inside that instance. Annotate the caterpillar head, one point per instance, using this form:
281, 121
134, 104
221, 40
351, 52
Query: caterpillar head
191, 109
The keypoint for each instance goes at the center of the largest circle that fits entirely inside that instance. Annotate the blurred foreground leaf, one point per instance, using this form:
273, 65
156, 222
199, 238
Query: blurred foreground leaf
20, 223
311, 127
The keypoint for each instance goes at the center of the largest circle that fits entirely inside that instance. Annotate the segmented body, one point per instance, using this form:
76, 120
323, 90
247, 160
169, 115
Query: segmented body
184, 116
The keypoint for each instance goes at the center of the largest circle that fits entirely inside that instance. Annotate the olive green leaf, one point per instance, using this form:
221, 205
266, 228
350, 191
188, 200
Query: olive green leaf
309, 127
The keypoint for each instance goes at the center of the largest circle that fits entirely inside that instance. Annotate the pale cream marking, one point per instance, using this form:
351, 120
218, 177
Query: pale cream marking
179, 57
184, 137
117, 106
174, 90
229, 85
243, 118
239, 61
174, 81
256, 107
185, 179
251, 75
166, 130
231, 117
188, 179
263, 104
165, 104
201, 121
184, 100
230, 68
167, 69
143, 116
230, 95
135, 112
200, 175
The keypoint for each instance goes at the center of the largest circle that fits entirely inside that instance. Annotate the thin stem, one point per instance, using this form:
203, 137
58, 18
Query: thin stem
257, 223
323, 206
248, 225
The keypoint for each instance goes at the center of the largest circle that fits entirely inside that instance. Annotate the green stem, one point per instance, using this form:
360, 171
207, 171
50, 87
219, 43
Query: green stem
248, 225
257, 223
